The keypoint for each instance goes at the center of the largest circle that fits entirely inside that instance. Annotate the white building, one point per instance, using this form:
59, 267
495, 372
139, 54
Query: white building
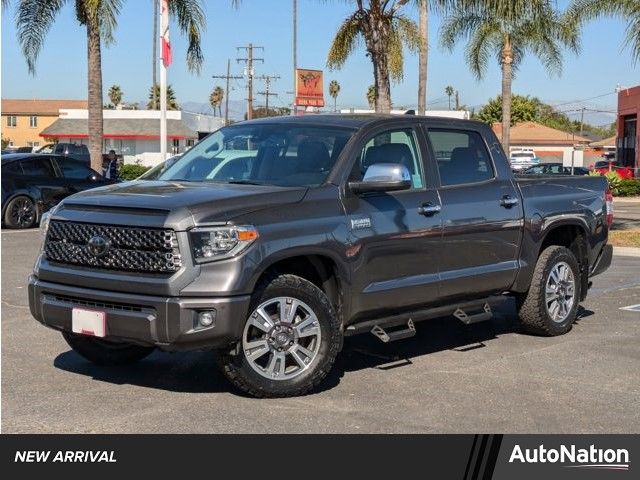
135, 134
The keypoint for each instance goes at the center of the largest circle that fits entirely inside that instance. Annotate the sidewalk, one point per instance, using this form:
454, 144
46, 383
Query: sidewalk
626, 251
626, 200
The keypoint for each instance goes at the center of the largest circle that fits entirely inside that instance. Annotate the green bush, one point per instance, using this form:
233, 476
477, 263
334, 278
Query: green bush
628, 188
131, 171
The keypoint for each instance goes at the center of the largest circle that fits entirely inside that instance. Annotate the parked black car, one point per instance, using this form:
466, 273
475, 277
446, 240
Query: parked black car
323, 226
33, 183
73, 150
554, 169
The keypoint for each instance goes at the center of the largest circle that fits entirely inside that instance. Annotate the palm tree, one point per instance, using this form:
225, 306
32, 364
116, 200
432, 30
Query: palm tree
583, 10
154, 98
371, 96
334, 90
385, 32
449, 91
423, 55
115, 95
215, 99
509, 29
99, 17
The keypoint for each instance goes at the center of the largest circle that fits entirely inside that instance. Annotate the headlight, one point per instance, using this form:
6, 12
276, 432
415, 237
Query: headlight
46, 218
217, 243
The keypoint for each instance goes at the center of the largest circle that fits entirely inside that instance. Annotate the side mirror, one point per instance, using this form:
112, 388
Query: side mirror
383, 177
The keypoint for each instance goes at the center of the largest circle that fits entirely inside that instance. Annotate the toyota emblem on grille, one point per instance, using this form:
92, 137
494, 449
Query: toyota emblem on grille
98, 246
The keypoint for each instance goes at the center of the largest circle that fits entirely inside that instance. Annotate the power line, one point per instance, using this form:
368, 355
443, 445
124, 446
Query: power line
267, 92
227, 77
584, 100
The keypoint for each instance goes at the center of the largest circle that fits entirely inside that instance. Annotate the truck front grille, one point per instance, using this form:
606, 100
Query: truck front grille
149, 250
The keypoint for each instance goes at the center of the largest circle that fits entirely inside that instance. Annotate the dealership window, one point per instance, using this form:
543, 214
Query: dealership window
33, 121
175, 146
190, 142
33, 144
12, 121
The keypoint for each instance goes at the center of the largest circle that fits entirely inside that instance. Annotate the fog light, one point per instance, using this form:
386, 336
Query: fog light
206, 319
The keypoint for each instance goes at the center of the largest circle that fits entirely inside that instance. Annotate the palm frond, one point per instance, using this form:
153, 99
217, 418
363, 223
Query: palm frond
484, 41
395, 55
409, 32
33, 20
191, 20
344, 43
459, 25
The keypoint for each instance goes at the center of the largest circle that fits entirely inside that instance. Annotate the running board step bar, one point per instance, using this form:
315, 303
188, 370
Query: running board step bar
466, 318
394, 335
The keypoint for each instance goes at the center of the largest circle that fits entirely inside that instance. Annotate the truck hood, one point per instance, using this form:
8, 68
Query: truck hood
204, 202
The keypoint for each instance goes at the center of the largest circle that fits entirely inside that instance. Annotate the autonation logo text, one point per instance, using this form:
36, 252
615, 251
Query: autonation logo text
573, 457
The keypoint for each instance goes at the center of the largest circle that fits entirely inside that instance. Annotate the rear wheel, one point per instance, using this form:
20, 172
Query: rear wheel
20, 213
104, 352
289, 343
550, 306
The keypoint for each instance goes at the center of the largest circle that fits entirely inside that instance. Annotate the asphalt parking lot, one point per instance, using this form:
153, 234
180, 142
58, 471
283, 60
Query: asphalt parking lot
449, 378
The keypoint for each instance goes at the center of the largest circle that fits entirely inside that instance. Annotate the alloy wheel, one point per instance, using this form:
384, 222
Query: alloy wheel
560, 292
281, 338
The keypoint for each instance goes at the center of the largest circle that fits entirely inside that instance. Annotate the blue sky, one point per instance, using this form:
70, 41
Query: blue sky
61, 68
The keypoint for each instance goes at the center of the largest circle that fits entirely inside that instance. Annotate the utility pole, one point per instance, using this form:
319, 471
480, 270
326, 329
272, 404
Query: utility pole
295, 52
154, 54
457, 100
227, 77
582, 121
267, 92
248, 60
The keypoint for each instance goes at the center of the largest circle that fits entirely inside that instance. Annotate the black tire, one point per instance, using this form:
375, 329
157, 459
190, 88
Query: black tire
533, 312
242, 375
20, 213
105, 353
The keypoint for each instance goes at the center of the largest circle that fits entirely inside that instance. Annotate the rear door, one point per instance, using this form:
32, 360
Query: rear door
393, 247
41, 175
481, 212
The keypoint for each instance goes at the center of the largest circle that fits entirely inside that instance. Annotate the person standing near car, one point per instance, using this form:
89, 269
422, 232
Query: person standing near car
110, 166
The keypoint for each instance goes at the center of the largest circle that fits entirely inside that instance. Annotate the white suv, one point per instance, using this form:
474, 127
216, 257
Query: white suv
523, 158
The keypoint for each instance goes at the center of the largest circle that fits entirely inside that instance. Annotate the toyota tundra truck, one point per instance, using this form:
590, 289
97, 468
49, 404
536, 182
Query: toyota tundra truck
271, 240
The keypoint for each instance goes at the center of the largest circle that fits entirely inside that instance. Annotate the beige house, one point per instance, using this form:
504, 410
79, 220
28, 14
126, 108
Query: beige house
23, 120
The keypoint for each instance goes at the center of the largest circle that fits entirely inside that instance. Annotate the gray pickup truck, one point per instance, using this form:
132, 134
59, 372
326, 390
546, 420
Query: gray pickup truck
271, 240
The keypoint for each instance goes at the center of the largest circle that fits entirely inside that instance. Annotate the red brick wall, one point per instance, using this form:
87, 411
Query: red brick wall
629, 104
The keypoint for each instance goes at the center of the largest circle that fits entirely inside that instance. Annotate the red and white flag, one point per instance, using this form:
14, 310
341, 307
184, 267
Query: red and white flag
164, 33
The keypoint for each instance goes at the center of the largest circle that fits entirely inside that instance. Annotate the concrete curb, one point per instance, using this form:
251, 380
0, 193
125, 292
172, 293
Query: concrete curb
626, 200
626, 251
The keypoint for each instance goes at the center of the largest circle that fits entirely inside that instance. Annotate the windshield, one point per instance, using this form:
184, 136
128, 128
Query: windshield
263, 154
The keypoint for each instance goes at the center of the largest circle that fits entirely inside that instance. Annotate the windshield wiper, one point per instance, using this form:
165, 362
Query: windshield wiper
243, 182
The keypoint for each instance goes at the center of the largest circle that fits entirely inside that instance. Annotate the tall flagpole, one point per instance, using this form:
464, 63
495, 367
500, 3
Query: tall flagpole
165, 48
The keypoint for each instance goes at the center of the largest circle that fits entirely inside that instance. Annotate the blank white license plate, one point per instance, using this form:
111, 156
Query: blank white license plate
89, 322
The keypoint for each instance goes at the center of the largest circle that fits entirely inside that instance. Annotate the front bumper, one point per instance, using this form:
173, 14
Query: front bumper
169, 323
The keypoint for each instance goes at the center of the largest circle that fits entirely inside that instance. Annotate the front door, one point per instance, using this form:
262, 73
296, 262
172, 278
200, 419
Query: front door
481, 214
394, 248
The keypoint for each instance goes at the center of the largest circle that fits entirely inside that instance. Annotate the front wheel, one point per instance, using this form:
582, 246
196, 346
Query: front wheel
289, 343
549, 307
106, 353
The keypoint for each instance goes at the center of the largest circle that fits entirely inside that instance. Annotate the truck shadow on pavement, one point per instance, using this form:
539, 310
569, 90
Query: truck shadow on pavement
196, 372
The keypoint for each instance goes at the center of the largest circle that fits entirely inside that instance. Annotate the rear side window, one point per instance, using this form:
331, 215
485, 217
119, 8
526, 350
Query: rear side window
38, 167
75, 169
462, 157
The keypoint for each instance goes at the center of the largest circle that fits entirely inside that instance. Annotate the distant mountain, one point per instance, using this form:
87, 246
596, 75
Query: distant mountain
237, 108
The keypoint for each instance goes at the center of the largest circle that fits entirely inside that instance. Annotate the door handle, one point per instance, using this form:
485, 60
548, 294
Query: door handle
429, 209
508, 201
